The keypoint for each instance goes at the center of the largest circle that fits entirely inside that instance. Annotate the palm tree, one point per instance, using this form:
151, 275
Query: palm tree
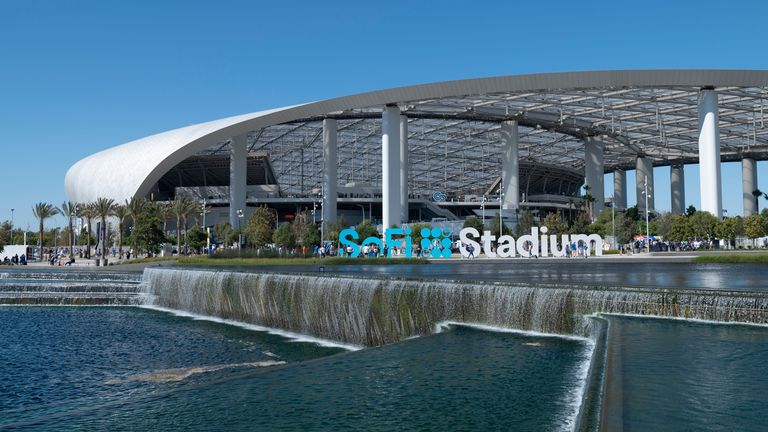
191, 208
103, 207
87, 212
166, 211
135, 207
121, 212
69, 210
43, 211
180, 207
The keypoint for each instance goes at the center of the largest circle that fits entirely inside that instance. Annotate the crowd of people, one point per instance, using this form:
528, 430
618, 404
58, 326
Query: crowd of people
15, 260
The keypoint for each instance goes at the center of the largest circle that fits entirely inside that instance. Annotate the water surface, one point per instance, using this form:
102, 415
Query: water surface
674, 375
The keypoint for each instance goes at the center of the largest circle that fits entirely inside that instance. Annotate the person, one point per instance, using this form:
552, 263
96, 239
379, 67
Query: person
470, 251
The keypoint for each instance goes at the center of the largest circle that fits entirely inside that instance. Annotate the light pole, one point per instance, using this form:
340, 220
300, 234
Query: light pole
74, 228
482, 206
12, 210
203, 213
501, 218
613, 221
240, 215
362, 207
647, 211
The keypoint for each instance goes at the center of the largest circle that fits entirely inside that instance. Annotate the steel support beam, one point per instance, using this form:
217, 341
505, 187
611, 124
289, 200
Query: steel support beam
749, 185
390, 167
330, 168
677, 188
510, 168
709, 153
238, 177
594, 168
643, 171
404, 168
619, 189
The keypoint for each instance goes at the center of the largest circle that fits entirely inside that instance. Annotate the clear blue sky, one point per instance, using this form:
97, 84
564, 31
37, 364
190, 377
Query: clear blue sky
77, 77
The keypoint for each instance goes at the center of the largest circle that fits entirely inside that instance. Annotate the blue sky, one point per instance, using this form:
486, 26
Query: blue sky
77, 77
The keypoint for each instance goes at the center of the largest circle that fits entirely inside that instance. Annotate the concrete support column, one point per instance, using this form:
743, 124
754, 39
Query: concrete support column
709, 153
390, 166
644, 170
594, 170
749, 185
238, 171
405, 167
619, 189
330, 166
677, 188
510, 180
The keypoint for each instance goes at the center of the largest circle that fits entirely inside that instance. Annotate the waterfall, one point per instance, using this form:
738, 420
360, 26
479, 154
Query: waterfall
35, 287
372, 311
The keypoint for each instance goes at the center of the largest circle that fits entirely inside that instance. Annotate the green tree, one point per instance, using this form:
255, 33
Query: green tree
416, 236
525, 222
690, 211
632, 213
703, 224
258, 229
754, 226
147, 232
224, 233
5, 234
283, 236
334, 228
474, 222
103, 207
554, 223
497, 224
69, 210
580, 225
197, 238
310, 235
624, 228
729, 229
43, 211
366, 229
680, 228
663, 224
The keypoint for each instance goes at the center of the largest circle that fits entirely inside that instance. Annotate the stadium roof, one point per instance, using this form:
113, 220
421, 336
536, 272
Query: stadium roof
453, 130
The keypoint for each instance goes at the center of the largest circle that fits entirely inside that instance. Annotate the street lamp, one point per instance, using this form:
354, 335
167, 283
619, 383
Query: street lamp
482, 206
362, 207
501, 218
12, 210
647, 211
240, 215
613, 221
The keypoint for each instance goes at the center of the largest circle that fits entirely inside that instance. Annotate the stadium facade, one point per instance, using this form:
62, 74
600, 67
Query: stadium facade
452, 149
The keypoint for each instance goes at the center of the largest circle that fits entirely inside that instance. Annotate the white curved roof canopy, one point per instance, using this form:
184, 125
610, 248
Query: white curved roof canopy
652, 113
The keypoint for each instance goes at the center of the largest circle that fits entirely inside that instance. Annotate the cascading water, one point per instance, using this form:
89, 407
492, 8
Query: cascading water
25, 287
379, 311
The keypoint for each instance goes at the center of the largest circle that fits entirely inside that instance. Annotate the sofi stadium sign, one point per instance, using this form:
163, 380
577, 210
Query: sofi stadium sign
438, 243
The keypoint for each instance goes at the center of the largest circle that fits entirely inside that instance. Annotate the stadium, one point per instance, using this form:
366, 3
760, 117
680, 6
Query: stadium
445, 151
